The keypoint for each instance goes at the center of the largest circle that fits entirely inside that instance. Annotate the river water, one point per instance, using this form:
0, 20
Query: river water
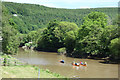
50, 60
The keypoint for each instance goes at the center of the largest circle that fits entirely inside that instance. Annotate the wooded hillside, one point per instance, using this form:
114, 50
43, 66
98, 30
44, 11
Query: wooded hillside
28, 17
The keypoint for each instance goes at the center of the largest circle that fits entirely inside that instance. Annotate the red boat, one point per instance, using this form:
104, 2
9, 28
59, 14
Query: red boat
83, 64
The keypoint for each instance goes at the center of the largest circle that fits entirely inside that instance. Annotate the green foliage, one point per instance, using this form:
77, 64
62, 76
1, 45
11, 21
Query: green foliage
61, 50
31, 17
91, 29
27, 44
94, 35
53, 37
32, 36
115, 48
10, 41
95, 18
70, 41
97, 35
9, 60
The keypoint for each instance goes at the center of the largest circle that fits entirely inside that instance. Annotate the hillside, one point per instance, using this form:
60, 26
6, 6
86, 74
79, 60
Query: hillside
28, 17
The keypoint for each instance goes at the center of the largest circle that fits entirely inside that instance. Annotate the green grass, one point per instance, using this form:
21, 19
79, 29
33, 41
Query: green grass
26, 71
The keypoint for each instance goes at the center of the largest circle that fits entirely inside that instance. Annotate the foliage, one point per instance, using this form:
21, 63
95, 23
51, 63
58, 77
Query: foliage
90, 32
53, 37
31, 16
98, 33
94, 36
115, 48
10, 41
8, 60
61, 50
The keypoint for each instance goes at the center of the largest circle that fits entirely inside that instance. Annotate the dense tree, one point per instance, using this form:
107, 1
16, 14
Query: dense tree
55, 34
90, 32
10, 42
70, 42
10, 35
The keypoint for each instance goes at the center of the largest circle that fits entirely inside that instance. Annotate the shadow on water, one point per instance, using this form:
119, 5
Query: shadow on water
110, 62
105, 60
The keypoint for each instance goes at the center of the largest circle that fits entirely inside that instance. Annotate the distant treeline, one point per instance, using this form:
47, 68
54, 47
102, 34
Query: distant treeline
29, 17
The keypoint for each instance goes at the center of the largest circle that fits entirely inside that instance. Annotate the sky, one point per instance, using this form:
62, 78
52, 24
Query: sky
71, 4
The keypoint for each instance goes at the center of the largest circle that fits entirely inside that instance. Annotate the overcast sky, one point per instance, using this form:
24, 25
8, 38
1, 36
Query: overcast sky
71, 4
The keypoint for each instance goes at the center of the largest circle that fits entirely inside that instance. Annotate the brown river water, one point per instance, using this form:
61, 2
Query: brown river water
50, 60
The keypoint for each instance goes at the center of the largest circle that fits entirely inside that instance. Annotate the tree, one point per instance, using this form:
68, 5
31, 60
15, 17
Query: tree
88, 40
10, 42
54, 36
70, 42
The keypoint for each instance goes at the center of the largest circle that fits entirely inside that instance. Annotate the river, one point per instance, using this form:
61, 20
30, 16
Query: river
50, 60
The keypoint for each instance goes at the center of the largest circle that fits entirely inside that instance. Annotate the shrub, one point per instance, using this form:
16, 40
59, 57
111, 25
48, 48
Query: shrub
61, 50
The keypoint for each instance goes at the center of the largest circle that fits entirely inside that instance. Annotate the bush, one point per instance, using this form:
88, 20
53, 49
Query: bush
61, 50
115, 48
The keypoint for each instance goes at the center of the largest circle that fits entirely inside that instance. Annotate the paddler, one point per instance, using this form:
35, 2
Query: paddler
85, 63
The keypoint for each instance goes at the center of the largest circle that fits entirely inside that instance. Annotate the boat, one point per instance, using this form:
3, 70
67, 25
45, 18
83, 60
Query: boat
62, 61
83, 64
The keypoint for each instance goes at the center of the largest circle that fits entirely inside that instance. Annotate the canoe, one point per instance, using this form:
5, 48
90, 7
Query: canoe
62, 61
74, 64
83, 64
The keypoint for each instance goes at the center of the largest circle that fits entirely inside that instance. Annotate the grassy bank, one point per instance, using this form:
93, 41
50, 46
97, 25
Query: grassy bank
26, 71
17, 69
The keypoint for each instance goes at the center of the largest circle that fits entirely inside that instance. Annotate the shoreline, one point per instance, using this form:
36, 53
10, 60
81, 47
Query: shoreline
107, 60
24, 70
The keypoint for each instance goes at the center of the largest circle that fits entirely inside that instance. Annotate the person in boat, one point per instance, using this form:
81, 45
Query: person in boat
76, 63
85, 63
62, 61
81, 63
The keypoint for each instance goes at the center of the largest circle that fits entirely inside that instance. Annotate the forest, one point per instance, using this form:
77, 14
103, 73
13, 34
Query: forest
29, 17
78, 32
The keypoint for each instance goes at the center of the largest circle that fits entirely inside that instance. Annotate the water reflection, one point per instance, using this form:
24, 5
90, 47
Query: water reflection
84, 68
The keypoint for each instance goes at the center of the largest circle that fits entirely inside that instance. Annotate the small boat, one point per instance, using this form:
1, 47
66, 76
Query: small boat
83, 64
62, 61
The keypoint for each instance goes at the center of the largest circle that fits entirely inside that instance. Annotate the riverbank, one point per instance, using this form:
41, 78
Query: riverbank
27, 71
18, 69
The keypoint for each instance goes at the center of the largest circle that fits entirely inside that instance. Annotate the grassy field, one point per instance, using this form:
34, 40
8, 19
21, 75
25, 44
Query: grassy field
26, 71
